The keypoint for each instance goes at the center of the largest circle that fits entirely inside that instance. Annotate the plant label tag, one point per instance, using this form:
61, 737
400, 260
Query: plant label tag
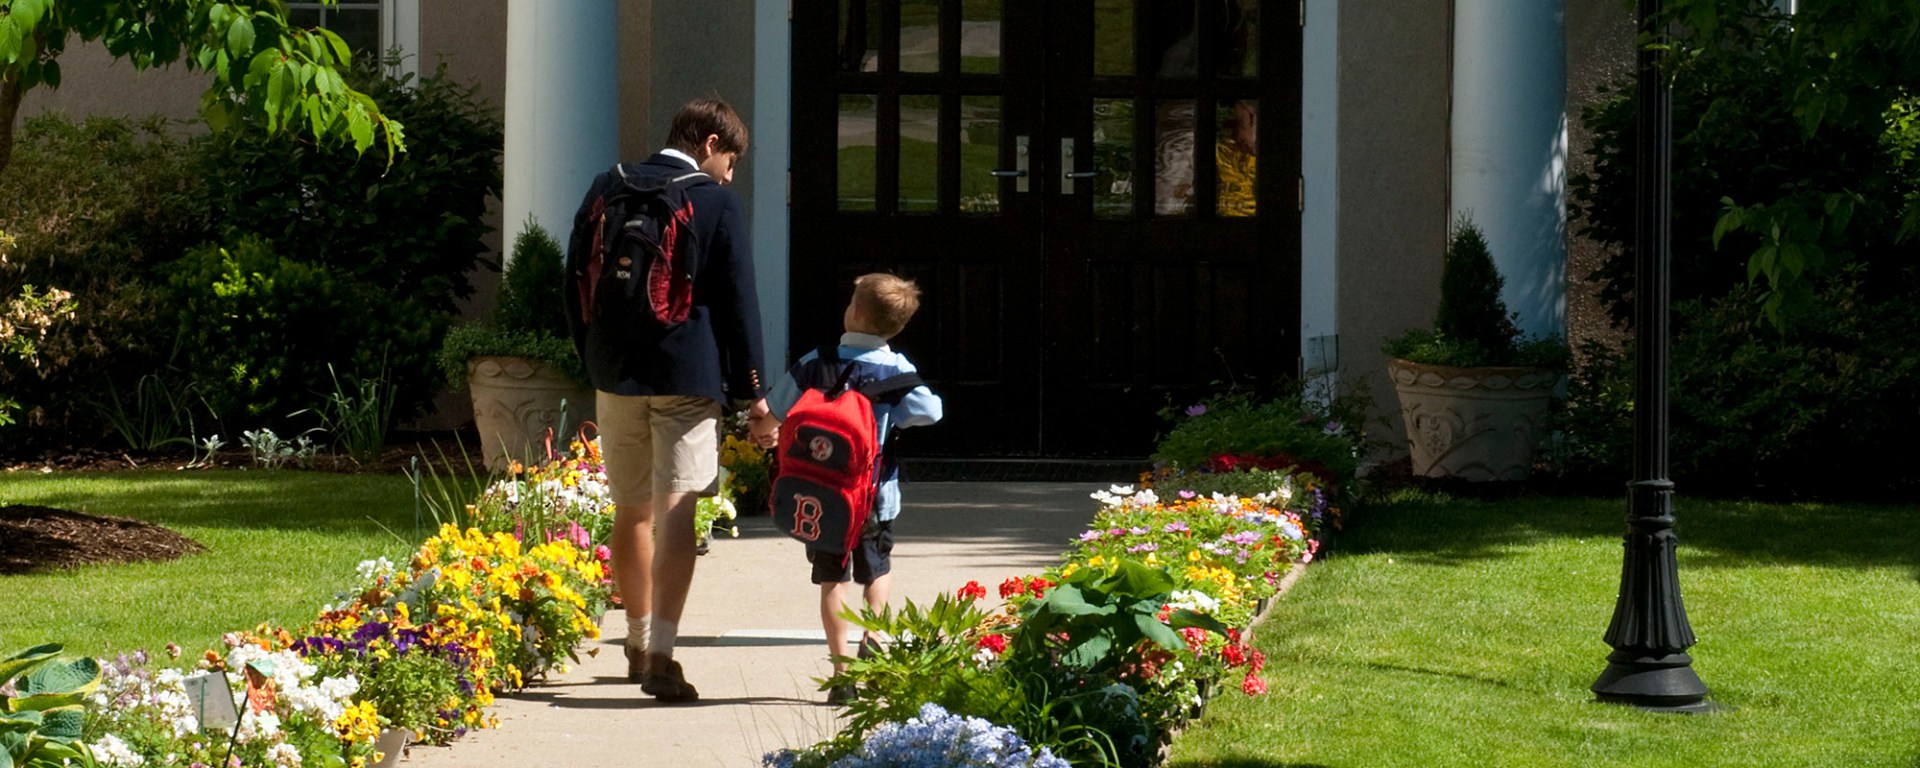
212, 700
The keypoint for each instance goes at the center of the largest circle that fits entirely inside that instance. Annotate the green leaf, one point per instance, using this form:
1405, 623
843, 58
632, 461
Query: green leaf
10, 37
50, 73
341, 52
81, 675
19, 663
1088, 652
1161, 634
362, 128
240, 37
66, 723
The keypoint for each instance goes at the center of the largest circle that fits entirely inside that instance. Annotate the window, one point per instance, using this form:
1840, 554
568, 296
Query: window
355, 21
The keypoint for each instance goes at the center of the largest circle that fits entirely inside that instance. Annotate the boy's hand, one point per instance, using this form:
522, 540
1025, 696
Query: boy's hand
762, 428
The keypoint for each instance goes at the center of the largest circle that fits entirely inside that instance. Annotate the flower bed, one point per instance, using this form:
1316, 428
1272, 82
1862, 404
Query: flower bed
1100, 659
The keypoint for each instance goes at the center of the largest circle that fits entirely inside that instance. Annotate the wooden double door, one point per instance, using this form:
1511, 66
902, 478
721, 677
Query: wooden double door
1078, 187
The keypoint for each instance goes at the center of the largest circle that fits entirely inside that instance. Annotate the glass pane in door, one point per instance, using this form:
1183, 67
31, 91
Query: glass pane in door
859, 36
1173, 158
980, 36
1240, 43
1113, 37
858, 129
1237, 128
1175, 31
1113, 158
919, 154
979, 154
920, 35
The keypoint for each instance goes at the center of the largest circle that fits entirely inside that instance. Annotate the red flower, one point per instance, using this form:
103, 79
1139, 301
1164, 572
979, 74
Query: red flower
1038, 587
1235, 654
1166, 613
1011, 587
1195, 637
995, 643
1253, 685
1259, 661
972, 591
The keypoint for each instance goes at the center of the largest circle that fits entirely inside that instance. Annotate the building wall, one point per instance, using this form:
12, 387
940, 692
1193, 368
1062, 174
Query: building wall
705, 48
1392, 208
1600, 36
94, 83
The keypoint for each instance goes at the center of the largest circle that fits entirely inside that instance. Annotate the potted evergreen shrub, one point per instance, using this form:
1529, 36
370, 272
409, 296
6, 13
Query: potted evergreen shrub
520, 368
1473, 394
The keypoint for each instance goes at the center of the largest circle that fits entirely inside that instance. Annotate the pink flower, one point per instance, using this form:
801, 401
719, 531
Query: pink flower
602, 554
1253, 685
1195, 637
1196, 410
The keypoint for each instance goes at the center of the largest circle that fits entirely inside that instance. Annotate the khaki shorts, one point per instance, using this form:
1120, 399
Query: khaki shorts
656, 445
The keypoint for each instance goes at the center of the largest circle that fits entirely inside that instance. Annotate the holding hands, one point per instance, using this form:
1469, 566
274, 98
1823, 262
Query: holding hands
762, 428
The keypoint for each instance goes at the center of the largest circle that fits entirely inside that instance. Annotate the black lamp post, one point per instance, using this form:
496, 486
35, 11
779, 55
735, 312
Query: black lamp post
1649, 666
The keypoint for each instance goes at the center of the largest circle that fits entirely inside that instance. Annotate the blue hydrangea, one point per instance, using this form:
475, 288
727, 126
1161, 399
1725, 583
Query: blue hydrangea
938, 739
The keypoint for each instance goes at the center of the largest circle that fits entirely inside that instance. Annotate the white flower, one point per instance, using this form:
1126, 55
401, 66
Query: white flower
110, 750
1193, 600
256, 726
1146, 498
284, 755
371, 569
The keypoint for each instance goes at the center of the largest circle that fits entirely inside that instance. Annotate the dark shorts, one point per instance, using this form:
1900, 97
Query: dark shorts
871, 560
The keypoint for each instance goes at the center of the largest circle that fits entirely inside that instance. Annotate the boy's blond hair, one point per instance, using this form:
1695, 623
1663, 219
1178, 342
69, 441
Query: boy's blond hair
886, 302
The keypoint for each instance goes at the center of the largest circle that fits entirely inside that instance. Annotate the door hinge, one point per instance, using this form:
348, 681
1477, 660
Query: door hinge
790, 10
1303, 12
1300, 194
789, 187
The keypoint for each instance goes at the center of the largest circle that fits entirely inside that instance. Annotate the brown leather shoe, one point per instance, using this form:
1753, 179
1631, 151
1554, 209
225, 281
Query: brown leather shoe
636, 665
666, 683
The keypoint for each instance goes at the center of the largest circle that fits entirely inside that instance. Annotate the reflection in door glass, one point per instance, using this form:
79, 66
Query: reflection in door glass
1233, 155
919, 35
979, 154
859, 121
1173, 26
1173, 158
1113, 158
1240, 48
1113, 37
980, 36
859, 36
919, 154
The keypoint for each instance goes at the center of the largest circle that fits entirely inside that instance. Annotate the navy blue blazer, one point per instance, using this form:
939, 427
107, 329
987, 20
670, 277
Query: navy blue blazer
717, 352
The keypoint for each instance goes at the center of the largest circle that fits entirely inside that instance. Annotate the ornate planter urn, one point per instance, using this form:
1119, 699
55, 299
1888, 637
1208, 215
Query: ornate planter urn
1472, 423
515, 400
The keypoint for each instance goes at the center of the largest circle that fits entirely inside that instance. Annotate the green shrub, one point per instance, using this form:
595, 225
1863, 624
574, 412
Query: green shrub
409, 233
1472, 328
528, 321
96, 208
1283, 432
1754, 413
254, 319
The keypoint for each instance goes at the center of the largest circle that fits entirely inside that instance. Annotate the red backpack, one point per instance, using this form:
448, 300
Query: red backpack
829, 457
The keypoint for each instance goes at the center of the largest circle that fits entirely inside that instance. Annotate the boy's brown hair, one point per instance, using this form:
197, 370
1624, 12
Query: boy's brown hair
886, 302
701, 118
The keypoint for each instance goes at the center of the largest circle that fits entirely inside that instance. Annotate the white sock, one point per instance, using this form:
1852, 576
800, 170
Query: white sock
662, 639
639, 631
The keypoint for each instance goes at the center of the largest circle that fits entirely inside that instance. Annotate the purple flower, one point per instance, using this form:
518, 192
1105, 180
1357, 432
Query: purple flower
1146, 547
1196, 409
1090, 535
1176, 526
1187, 494
1137, 531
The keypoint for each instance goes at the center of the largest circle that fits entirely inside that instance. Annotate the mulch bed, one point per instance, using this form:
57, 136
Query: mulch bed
35, 538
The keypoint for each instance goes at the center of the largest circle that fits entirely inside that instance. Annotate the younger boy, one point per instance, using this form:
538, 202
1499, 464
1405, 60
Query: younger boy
880, 308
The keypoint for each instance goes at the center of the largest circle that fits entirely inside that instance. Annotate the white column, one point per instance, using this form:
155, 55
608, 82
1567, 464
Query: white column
772, 157
401, 20
1319, 220
1510, 147
562, 112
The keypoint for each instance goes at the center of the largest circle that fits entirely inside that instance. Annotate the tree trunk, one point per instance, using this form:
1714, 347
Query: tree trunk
9, 110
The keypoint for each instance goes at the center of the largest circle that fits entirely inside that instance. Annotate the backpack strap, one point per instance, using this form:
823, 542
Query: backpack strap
891, 388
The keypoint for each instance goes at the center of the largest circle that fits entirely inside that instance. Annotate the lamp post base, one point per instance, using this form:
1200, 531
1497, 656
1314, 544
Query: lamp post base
1654, 683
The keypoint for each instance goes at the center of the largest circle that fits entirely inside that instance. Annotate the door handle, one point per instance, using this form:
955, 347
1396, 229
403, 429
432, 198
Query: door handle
1067, 173
1019, 171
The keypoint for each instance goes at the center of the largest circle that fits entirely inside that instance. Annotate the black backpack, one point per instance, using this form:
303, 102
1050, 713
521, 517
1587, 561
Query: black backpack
630, 257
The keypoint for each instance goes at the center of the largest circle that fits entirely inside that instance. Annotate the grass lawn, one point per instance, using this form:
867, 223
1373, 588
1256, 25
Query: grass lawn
279, 545
1467, 633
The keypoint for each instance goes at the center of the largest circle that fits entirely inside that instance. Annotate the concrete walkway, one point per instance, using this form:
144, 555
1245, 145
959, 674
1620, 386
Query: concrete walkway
751, 639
